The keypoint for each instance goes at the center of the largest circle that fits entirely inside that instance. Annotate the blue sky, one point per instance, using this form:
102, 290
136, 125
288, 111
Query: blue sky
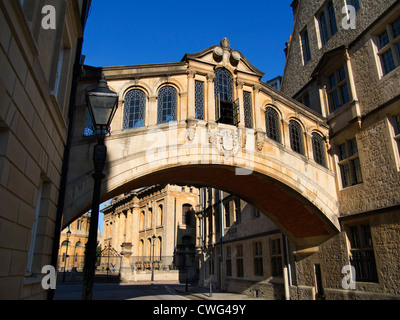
140, 32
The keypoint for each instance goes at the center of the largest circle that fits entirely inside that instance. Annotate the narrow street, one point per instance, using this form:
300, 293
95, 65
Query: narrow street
114, 291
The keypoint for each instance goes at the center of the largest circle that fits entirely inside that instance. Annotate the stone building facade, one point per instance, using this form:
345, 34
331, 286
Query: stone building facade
240, 249
343, 62
40, 42
154, 229
73, 239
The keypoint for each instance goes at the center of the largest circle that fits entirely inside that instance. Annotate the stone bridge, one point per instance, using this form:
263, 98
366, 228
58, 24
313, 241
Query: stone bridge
209, 120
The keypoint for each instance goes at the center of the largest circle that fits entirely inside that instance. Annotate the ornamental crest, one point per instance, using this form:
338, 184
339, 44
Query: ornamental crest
227, 142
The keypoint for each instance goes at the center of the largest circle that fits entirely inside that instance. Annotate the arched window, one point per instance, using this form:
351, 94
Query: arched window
141, 248
167, 104
134, 109
272, 124
296, 137
318, 149
159, 215
223, 85
141, 222
159, 248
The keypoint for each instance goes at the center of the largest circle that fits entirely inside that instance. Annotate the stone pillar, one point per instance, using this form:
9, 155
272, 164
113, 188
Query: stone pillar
126, 253
308, 146
258, 125
285, 133
210, 98
191, 113
239, 89
128, 230
152, 111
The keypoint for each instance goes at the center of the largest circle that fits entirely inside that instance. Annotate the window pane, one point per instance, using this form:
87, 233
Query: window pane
134, 109
353, 146
305, 46
332, 19
397, 124
341, 74
345, 172
334, 99
383, 39
167, 103
323, 28
342, 152
199, 100
272, 124
248, 118
357, 171
344, 93
354, 3
387, 61
296, 137
223, 85
318, 149
396, 28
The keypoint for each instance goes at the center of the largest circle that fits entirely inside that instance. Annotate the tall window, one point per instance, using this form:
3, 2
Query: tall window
349, 163
276, 257
238, 211
388, 43
296, 137
258, 260
338, 91
239, 261
318, 149
227, 110
223, 85
227, 214
229, 261
248, 115
272, 124
305, 45
327, 23
134, 109
186, 214
199, 99
167, 105
362, 253
160, 215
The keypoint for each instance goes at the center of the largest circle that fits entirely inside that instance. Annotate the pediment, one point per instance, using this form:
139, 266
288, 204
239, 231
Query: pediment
223, 55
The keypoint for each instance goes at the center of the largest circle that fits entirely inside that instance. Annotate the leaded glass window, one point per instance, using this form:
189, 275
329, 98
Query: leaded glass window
167, 105
272, 124
248, 115
223, 85
134, 109
296, 137
318, 149
199, 99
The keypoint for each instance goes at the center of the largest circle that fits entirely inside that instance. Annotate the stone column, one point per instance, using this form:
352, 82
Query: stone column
285, 133
191, 113
308, 150
126, 253
210, 98
239, 89
258, 125
152, 111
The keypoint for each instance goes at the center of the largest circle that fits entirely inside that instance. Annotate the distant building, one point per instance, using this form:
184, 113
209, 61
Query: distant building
275, 82
153, 227
241, 249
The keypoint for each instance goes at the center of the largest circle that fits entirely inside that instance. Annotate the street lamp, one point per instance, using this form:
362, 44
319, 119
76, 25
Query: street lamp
66, 254
152, 263
102, 104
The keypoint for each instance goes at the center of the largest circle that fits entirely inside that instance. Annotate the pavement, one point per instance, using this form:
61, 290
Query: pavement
147, 291
201, 293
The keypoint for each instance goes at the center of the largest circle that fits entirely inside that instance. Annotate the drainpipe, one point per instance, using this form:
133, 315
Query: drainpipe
71, 122
221, 206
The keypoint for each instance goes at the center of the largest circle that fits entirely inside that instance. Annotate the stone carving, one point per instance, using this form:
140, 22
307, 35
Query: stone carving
227, 142
260, 140
191, 125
